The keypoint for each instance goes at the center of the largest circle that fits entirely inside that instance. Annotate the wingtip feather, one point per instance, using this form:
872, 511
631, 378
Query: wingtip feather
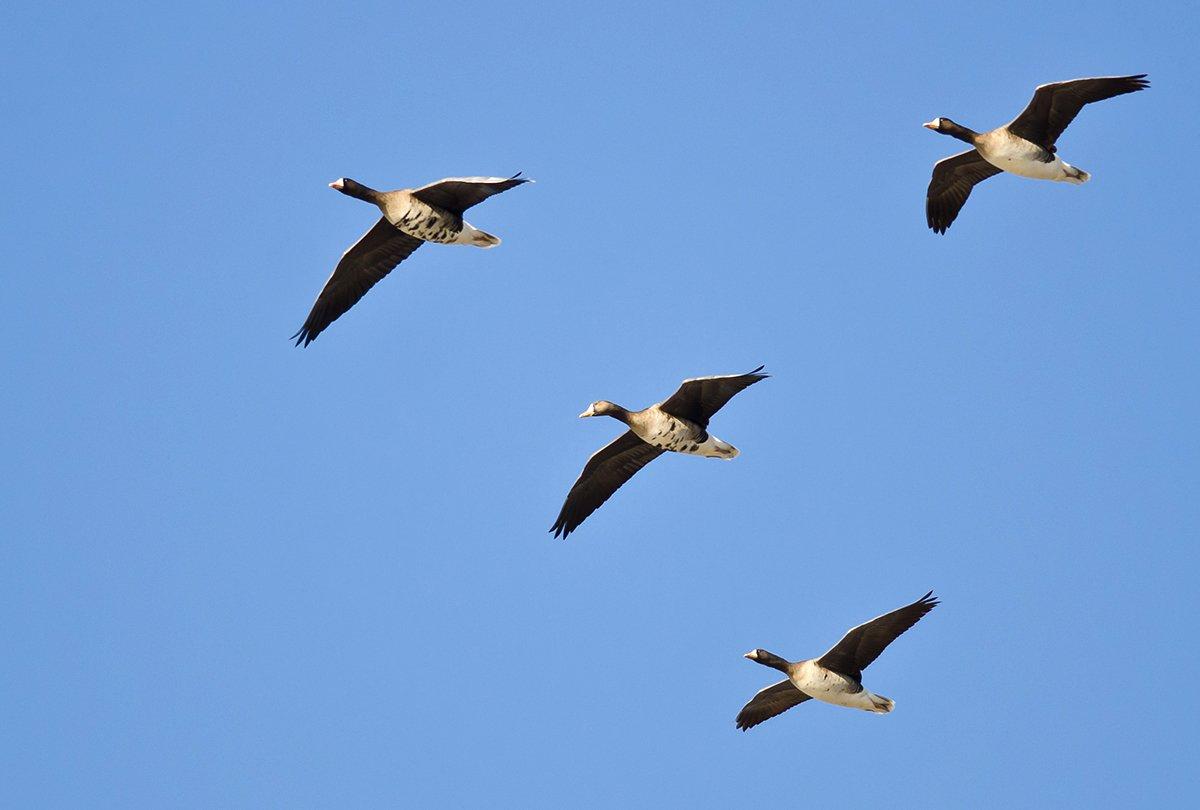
302, 336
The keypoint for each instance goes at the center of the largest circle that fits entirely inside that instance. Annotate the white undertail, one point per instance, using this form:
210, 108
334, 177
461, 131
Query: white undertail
470, 235
881, 704
715, 448
1074, 175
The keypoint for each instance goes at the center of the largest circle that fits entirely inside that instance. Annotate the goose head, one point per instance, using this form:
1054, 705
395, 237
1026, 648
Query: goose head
768, 659
602, 408
955, 130
353, 188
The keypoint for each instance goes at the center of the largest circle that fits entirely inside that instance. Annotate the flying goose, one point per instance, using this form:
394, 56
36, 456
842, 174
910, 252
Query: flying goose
678, 424
835, 677
411, 216
1024, 146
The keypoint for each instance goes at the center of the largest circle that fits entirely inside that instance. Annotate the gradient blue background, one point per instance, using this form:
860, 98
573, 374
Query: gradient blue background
240, 574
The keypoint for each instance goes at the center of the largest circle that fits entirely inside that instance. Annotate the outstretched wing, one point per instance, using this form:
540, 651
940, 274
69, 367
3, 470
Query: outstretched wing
864, 643
457, 194
775, 699
1055, 105
367, 261
605, 472
699, 398
951, 184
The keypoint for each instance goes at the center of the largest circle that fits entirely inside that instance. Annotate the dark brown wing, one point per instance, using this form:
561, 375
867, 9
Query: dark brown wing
775, 699
698, 399
1054, 106
605, 472
951, 184
369, 259
864, 643
457, 194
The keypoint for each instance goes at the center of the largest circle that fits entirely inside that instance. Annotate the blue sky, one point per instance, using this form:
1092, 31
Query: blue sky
242, 574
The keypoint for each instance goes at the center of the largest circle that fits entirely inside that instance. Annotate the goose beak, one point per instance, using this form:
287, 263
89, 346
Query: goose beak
931, 125
752, 655
338, 184
591, 411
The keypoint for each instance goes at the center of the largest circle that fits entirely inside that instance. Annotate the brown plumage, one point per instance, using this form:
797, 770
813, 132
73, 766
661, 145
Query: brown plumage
863, 644
1026, 146
951, 184
432, 213
678, 424
835, 677
1054, 106
769, 702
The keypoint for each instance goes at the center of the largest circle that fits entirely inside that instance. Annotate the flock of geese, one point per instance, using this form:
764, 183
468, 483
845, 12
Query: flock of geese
1025, 146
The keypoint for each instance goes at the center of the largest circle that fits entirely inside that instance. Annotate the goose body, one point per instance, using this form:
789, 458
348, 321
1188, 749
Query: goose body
1026, 146
411, 217
430, 223
1015, 155
678, 424
677, 435
823, 684
835, 677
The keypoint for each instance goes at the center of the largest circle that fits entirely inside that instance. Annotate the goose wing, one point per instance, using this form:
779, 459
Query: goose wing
457, 194
699, 398
864, 643
775, 699
951, 184
1055, 105
605, 472
367, 261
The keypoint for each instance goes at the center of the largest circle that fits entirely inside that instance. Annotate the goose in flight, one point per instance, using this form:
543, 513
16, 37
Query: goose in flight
411, 216
1024, 146
678, 424
835, 677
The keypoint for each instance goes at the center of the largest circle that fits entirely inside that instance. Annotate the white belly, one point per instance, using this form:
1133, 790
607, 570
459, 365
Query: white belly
681, 436
830, 687
1017, 164
1018, 156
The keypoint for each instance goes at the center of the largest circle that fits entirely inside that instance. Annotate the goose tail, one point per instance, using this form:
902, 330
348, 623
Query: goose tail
715, 448
483, 239
1075, 175
880, 704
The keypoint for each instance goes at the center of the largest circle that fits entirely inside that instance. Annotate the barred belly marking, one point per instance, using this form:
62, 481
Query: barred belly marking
672, 433
429, 223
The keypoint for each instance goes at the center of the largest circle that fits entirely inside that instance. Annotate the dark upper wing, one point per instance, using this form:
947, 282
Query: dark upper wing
457, 194
775, 699
1054, 106
951, 184
864, 643
605, 472
698, 399
369, 259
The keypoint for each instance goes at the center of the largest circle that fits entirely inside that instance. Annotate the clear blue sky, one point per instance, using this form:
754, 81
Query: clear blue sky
239, 574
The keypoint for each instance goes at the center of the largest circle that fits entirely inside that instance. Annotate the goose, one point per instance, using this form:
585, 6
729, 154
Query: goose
678, 424
1024, 146
835, 677
411, 216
